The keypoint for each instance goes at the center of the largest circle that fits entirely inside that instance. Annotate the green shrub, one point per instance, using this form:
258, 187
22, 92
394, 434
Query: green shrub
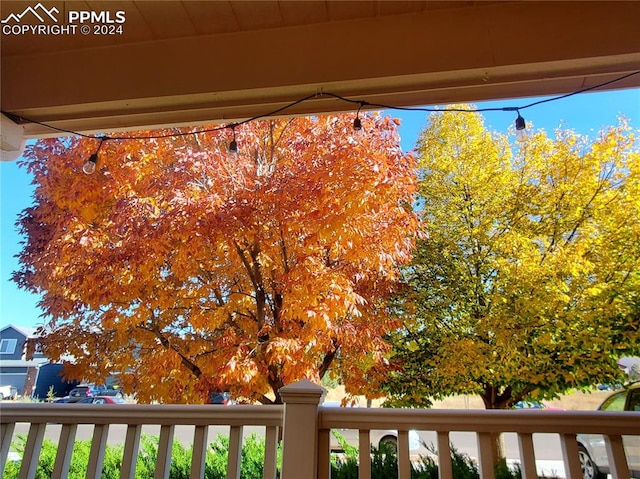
251, 464
503, 471
79, 460
147, 455
384, 465
384, 462
463, 467
45, 462
180, 461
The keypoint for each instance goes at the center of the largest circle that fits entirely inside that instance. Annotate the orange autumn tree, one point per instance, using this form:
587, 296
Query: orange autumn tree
186, 269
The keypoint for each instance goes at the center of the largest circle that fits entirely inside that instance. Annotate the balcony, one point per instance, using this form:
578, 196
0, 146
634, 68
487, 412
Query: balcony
304, 427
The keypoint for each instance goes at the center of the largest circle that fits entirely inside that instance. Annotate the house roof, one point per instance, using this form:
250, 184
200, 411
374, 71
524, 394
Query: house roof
27, 331
22, 363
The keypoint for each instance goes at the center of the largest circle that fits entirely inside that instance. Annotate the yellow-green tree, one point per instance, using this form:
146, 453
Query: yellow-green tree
526, 283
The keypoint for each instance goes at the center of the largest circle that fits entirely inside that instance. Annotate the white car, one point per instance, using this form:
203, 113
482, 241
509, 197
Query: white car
379, 438
591, 447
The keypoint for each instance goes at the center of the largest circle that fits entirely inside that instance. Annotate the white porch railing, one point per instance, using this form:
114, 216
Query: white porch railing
306, 434
485, 424
135, 416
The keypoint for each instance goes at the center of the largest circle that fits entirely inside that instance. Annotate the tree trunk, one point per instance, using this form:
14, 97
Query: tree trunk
492, 399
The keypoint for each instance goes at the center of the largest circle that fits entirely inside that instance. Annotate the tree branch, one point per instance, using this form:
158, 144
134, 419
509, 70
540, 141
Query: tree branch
186, 362
328, 359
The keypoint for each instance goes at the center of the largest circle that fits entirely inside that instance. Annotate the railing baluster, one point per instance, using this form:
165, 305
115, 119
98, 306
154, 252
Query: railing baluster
165, 444
324, 454
235, 452
270, 453
32, 451
200, 439
445, 468
98, 447
364, 454
65, 449
6, 434
527, 456
404, 459
570, 457
485, 455
617, 458
130, 456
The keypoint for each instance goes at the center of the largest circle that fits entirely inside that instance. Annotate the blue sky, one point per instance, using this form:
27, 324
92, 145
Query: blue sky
586, 113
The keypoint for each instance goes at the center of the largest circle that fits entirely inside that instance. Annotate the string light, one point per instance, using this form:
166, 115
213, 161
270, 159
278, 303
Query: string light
233, 146
521, 134
520, 123
90, 165
357, 123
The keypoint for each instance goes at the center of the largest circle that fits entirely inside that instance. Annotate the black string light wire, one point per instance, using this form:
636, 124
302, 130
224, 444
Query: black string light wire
520, 124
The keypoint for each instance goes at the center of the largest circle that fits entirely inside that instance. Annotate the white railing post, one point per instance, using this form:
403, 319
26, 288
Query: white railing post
300, 434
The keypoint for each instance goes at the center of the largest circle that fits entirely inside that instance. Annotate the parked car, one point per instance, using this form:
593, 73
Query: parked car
536, 405
379, 438
91, 390
608, 387
223, 398
591, 447
102, 400
8, 392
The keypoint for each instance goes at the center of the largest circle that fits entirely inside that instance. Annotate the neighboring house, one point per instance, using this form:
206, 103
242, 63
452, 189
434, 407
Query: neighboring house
33, 377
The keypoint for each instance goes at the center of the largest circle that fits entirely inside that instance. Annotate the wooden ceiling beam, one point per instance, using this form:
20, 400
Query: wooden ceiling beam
475, 52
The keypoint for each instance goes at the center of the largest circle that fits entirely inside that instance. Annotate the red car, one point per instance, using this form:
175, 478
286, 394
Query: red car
91, 390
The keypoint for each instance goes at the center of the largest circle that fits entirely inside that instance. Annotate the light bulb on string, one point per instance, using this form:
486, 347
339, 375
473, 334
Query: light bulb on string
233, 146
89, 166
521, 133
357, 123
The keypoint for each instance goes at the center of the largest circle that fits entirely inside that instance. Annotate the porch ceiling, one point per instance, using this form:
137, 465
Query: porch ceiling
186, 62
